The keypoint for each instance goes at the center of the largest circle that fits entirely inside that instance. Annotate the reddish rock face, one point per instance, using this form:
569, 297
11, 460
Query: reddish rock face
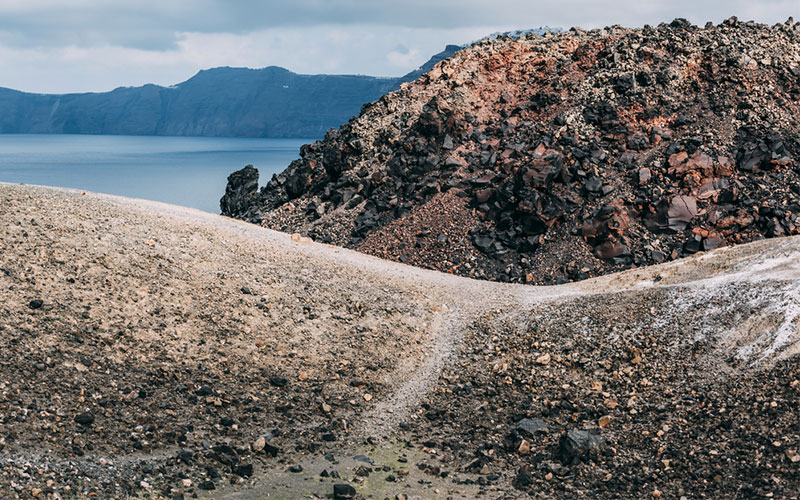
550, 159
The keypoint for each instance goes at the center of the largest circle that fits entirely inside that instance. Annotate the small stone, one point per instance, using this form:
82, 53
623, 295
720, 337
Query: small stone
343, 491
302, 375
244, 470
296, 468
271, 450
656, 494
523, 478
84, 419
278, 381
258, 444
364, 458
204, 391
576, 444
530, 426
543, 359
36, 304
326, 407
367, 397
206, 485
604, 420
185, 456
226, 421
524, 447
187, 483
296, 237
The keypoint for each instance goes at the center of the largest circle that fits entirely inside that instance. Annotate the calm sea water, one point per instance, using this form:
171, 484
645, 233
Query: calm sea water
188, 171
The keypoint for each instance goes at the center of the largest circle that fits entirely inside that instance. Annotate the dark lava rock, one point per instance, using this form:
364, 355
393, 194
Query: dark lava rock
244, 470
84, 419
296, 468
271, 450
206, 485
185, 456
278, 381
364, 458
36, 304
343, 491
530, 426
577, 444
226, 421
242, 187
204, 391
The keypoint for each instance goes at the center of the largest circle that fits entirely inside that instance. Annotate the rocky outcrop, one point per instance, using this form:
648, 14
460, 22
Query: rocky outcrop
556, 158
242, 187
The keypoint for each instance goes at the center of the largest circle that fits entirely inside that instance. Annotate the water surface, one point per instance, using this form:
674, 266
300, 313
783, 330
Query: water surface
188, 171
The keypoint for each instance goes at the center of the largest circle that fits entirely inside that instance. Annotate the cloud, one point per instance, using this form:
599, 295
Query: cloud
154, 24
71, 45
403, 57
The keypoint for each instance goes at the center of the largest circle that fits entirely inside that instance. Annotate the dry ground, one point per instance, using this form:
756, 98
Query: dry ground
168, 342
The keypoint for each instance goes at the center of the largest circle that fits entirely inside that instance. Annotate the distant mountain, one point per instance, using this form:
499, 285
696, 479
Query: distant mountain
225, 102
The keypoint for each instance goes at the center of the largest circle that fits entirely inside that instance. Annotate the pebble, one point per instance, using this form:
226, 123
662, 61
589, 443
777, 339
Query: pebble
258, 444
343, 491
243, 470
207, 485
84, 419
278, 381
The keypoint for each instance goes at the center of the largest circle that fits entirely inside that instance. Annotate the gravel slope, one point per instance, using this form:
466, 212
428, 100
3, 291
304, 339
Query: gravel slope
169, 342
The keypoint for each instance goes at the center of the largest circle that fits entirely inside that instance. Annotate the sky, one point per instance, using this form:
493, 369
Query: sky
61, 46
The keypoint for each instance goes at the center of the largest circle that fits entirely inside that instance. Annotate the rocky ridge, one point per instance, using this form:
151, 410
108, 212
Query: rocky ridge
552, 159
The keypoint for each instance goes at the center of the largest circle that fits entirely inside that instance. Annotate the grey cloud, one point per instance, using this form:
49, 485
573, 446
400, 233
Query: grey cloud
165, 41
154, 25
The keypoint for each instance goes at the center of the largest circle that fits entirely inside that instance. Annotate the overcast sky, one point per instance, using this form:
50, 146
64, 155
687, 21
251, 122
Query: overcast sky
97, 45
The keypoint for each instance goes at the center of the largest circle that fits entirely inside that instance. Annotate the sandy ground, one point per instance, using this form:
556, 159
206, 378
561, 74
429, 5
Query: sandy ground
174, 351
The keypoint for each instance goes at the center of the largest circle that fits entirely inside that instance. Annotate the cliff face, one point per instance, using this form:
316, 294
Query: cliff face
226, 102
562, 157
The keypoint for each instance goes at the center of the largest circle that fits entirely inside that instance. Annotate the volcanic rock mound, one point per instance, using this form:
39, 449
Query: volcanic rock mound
556, 158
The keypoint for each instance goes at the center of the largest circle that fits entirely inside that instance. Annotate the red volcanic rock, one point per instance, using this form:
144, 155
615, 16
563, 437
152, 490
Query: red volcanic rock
555, 158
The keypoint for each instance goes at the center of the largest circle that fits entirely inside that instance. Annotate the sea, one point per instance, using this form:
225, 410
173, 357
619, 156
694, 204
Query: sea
187, 171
